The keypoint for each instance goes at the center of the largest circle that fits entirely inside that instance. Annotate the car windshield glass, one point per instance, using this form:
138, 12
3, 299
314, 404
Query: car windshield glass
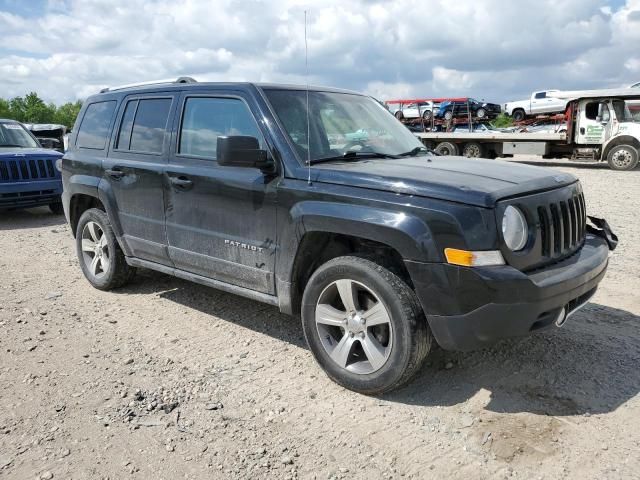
15, 135
628, 111
340, 123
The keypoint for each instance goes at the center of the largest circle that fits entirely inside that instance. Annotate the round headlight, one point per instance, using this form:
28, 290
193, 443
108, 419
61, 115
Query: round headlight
514, 228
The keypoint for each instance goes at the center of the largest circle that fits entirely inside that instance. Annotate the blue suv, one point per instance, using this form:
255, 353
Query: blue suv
29, 174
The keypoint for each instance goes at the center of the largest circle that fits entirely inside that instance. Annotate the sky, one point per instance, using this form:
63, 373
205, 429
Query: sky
496, 50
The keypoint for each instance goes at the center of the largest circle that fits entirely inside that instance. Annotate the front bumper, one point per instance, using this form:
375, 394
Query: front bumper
468, 308
30, 194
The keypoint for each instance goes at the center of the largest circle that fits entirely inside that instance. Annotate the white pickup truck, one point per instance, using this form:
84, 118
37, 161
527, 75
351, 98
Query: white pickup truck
541, 102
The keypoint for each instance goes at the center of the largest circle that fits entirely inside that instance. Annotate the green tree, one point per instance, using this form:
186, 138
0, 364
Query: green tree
5, 109
17, 109
36, 111
66, 114
502, 121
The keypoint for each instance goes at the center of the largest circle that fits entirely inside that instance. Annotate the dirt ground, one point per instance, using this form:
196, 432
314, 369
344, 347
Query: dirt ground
165, 379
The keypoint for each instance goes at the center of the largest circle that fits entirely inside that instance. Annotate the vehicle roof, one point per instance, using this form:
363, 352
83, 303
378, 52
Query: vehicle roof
611, 92
172, 85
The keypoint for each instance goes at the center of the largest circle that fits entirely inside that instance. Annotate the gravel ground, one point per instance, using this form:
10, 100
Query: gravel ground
167, 379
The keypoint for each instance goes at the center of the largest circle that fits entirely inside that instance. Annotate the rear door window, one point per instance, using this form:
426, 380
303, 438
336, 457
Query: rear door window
94, 128
143, 125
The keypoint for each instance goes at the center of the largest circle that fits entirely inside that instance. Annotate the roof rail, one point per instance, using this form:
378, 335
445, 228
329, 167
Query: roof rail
152, 82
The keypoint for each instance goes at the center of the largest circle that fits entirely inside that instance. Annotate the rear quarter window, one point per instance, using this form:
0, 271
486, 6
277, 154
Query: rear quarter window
94, 129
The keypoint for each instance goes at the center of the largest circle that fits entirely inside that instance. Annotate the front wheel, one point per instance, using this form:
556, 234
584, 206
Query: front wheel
101, 259
364, 325
481, 113
623, 157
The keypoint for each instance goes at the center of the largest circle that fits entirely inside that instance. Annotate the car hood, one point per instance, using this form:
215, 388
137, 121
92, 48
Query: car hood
471, 181
13, 152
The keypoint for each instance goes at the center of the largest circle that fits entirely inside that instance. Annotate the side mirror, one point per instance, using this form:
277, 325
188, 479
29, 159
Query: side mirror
242, 151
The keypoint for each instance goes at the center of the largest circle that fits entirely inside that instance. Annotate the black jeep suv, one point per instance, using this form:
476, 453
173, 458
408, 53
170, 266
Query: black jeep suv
335, 212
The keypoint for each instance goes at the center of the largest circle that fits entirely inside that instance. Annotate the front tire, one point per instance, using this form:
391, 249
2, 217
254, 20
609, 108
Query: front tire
364, 325
399, 115
101, 259
623, 157
481, 113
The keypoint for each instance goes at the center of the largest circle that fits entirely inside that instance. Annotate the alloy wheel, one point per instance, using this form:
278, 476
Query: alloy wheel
354, 326
95, 250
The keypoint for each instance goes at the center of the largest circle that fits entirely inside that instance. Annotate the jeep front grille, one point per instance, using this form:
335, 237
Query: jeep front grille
562, 225
27, 169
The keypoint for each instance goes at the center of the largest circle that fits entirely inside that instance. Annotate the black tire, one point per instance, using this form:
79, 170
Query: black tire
623, 157
56, 208
447, 149
473, 150
448, 115
481, 113
426, 115
411, 338
399, 115
518, 115
118, 272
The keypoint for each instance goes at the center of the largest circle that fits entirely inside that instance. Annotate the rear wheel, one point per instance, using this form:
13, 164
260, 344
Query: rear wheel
518, 115
101, 259
447, 149
426, 114
473, 150
623, 157
448, 115
364, 325
481, 113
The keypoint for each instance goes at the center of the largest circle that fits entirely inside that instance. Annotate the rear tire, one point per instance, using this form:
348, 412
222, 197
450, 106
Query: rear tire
101, 258
473, 150
481, 113
623, 157
382, 345
518, 115
448, 115
447, 149
426, 115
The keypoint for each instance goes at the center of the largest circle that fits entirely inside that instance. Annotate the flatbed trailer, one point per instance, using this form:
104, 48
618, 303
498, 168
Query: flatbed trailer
601, 126
496, 144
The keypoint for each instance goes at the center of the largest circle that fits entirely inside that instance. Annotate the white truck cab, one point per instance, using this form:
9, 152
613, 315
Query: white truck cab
605, 128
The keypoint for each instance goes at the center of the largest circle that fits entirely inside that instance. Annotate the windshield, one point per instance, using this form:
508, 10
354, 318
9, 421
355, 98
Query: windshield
627, 111
16, 136
339, 124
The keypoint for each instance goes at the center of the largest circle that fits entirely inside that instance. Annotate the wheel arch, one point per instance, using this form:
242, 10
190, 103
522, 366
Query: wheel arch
325, 231
619, 140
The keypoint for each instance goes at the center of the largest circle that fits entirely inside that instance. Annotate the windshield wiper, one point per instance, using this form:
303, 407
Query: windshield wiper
417, 150
352, 155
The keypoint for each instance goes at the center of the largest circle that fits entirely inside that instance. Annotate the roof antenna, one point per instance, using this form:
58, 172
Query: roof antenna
306, 76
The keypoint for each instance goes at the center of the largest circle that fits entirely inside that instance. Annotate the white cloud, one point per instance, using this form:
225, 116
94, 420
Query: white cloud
488, 49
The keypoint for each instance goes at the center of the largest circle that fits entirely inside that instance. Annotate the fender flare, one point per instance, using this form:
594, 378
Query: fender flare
620, 139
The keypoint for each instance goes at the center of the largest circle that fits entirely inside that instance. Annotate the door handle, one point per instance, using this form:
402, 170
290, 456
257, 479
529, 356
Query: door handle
181, 182
114, 173
581, 130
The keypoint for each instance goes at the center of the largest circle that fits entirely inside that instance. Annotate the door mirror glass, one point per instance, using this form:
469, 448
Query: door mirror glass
242, 151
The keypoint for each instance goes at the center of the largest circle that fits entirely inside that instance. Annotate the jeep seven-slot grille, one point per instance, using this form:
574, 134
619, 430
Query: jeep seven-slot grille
27, 169
562, 225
